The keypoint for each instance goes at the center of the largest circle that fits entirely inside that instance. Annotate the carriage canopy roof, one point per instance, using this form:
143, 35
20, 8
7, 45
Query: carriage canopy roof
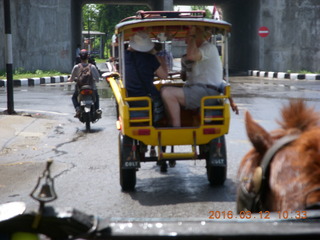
172, 24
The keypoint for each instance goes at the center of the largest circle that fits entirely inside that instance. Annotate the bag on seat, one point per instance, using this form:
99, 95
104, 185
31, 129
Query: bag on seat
157, 109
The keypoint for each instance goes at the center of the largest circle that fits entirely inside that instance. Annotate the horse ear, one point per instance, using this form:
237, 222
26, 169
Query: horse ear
258, 136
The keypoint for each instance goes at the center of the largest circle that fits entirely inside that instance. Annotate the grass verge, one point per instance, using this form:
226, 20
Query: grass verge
20, 73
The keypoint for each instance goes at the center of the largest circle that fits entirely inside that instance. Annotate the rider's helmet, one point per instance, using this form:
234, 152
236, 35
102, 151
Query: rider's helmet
84, 54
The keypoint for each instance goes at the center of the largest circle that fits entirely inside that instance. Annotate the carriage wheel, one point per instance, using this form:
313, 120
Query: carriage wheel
127, 176
217, 174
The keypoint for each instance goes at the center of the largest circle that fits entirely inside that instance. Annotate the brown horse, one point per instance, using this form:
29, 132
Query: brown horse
289, 176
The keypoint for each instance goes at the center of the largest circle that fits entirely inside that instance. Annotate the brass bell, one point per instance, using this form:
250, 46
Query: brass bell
45, 192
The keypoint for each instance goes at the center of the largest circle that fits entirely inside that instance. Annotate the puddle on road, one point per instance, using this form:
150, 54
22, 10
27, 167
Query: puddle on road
104, 90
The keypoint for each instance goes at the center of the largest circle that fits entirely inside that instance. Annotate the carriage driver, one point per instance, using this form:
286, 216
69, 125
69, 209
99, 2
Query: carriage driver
204, 77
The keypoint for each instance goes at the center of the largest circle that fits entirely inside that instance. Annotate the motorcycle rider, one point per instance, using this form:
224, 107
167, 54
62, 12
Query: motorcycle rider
84, 57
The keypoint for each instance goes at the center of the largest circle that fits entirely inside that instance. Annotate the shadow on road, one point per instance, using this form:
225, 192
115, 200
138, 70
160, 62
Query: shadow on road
92, 130
174, 190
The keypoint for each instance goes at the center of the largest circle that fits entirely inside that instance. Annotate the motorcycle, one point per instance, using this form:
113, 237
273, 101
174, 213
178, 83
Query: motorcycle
88, 114
16, 223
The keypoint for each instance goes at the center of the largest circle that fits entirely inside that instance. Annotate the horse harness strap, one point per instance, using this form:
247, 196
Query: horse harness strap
266, 160
313, 205
252, 200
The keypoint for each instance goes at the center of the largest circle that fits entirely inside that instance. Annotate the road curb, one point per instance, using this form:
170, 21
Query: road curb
35, 81
284, 75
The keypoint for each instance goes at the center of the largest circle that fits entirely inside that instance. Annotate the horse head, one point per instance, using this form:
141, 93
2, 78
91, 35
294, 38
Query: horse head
282, 170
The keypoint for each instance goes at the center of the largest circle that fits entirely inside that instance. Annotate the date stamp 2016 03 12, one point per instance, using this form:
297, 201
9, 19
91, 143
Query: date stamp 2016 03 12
260, 215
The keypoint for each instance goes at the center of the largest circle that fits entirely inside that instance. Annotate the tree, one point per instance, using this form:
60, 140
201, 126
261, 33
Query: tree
208, 13
104, 17
89, 16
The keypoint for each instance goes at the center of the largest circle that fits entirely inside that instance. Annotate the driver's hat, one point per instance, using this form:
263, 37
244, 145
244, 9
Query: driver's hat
141, 42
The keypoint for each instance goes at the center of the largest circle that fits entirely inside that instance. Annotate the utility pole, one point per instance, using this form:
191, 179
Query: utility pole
89, 20
9, 56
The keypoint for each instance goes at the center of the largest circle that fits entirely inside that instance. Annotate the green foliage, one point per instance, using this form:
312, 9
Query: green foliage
208, 13
104, 17
306, 71
19, 70
38, 72
100, 60
3, 74
303, 71
89, 16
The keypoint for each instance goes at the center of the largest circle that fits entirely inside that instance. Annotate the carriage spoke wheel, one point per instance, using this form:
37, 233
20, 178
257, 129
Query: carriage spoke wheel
127, 176
216, 174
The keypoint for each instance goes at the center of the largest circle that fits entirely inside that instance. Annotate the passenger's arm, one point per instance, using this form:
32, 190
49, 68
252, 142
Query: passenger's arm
193, 52
233, 105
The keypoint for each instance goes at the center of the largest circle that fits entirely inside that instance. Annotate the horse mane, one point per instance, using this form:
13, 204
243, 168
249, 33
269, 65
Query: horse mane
298, 116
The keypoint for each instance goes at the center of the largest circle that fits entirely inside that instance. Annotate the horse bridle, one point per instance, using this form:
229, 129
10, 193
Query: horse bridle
315, 205
251, 201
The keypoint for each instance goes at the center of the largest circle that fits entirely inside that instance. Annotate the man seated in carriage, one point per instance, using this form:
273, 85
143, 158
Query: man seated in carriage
141, 66
203, 76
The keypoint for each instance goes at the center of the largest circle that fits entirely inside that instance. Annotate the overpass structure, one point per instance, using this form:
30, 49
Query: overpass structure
45, 33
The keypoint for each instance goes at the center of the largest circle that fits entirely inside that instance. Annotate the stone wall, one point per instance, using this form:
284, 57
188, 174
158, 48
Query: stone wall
41, 35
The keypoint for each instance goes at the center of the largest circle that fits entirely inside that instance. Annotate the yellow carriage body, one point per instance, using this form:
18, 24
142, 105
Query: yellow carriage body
199, 128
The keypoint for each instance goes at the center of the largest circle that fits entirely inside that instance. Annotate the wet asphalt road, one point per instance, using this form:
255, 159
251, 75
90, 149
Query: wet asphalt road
85, 165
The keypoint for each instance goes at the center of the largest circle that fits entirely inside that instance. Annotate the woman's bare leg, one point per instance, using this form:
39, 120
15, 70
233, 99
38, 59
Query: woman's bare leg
173, 98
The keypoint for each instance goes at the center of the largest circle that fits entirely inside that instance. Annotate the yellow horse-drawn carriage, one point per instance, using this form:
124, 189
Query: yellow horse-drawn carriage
201, 135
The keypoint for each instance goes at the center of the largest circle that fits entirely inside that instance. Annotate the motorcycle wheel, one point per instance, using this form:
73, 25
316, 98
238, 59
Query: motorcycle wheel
88, 126
88, 121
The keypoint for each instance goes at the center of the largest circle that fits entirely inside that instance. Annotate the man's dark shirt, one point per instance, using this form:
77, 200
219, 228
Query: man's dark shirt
140, 68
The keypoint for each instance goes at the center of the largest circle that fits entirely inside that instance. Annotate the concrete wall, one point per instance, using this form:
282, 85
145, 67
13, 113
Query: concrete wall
2, 39
293, 43
243, 38
41, 34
